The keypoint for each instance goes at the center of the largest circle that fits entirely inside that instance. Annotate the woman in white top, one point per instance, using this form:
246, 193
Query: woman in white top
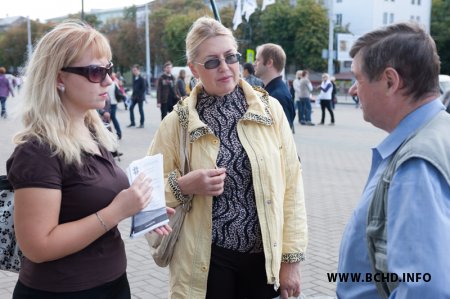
325, 96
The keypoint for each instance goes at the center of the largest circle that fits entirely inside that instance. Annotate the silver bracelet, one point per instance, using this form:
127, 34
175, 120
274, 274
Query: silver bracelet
101, 221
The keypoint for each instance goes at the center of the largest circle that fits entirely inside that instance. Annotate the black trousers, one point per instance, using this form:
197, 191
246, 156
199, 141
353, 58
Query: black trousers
164, 110
117, 289
326, 104
140, 104
235, 275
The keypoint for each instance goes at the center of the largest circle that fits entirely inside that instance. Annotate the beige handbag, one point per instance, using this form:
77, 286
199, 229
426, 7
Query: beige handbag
162, 247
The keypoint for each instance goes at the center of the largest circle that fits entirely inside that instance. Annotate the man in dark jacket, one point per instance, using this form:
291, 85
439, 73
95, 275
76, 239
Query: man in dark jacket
269, 63
138, 96
165, 92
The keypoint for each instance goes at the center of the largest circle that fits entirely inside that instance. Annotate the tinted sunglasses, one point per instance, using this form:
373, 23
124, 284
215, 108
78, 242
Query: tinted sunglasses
94, 73
215, 62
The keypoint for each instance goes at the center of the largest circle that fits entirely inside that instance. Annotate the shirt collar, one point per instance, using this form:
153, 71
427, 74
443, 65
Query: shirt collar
410, 124
257, 110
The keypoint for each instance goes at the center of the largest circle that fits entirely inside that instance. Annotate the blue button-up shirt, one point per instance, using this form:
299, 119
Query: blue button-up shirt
418, 227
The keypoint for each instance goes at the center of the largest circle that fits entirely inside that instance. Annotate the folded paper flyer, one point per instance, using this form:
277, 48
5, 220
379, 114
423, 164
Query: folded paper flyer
154, 214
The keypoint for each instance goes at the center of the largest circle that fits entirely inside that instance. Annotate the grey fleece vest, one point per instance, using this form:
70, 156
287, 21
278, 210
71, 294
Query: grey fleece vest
430, 143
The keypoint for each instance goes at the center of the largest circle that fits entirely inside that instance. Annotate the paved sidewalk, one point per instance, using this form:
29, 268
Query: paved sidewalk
335, 161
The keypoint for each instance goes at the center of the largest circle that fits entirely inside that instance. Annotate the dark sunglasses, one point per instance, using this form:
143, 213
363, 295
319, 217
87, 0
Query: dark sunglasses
215, 62
94, 73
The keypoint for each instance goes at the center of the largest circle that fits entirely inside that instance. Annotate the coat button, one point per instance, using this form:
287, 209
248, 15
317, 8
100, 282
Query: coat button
204, 268
269, 202
215, 141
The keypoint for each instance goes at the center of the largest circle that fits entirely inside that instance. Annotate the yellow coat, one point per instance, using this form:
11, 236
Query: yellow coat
277, 180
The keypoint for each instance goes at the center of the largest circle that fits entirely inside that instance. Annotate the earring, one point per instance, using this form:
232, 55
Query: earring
61, 88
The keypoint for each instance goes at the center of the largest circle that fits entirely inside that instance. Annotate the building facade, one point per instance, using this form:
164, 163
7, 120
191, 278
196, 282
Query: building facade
361, 17
364, 16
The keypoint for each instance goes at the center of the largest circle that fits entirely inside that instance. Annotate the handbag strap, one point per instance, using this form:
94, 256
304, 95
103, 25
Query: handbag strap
184, 144
184, 161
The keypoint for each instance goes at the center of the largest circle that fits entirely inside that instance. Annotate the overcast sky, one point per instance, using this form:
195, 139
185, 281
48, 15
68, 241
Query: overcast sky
45, 9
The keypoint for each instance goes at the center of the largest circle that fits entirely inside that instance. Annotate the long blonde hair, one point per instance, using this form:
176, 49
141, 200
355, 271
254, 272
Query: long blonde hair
44, 116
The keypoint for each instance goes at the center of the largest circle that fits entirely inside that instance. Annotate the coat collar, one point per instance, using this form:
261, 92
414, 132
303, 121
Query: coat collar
258, 110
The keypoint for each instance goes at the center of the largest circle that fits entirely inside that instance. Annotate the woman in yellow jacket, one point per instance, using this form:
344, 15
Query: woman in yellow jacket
246, 232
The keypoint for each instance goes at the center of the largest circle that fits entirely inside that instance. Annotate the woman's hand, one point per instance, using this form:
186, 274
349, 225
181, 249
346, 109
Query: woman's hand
203, 182
132, 200
290, 280
165, 229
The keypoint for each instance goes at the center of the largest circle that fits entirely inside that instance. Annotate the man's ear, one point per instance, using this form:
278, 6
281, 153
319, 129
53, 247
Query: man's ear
393, 80
193, 70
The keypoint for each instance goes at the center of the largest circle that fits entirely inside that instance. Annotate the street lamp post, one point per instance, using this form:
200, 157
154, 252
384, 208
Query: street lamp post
147, 48
82, 10
215, 11
30, 47
330, 38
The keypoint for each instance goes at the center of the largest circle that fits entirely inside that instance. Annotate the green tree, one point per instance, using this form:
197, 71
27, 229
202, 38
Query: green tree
302, 31
165, 14
14, 43
127, 40
176, 29
440, 31
90, 19
310, 24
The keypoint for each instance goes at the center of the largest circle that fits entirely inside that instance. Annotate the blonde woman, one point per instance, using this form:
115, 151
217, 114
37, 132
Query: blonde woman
245, 234
69, 193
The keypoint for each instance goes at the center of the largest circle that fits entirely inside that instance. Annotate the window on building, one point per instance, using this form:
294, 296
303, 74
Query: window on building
339, 19
385, 16
338, 1
413, 2
391, 18
412, 18
418, 19
418, 2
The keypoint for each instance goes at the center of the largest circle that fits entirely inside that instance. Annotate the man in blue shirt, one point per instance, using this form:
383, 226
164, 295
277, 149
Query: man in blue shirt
396, 70
269, 63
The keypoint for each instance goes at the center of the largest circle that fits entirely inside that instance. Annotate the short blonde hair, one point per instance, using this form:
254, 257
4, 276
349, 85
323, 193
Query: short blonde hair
45, 117
201, 30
